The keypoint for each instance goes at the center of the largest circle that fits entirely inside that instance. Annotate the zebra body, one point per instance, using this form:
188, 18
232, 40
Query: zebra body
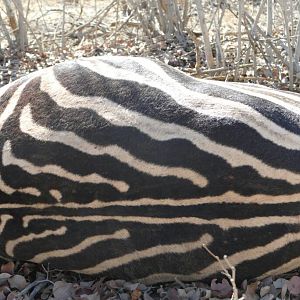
126, 167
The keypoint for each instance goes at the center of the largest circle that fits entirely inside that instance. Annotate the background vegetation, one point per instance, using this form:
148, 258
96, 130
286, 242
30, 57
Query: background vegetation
244, 40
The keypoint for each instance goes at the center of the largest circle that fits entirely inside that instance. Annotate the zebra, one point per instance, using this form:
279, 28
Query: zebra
126, 167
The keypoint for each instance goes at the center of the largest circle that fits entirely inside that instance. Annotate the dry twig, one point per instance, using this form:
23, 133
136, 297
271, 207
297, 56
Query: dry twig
231, 277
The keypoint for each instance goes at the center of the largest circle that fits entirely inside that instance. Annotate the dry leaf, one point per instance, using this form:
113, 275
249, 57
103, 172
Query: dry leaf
136, 294
172, 294
18, 282
62, 290
12, 296
142, 287
8, 267
294, 285
264, 290
221, 290
268, 297
250, 293
125, 296
47, 291
4, 277
86, 284
130, 286
194, 294
182, 294
94, 296
112, 284
147, 297
207, 294
284, 290
279, 283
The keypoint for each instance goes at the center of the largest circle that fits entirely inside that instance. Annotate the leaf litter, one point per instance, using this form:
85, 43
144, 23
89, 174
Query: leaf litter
28, 281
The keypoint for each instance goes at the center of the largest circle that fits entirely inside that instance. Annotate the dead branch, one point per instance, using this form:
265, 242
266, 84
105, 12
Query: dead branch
225, 264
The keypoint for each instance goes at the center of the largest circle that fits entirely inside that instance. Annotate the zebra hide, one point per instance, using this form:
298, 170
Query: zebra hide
125, 167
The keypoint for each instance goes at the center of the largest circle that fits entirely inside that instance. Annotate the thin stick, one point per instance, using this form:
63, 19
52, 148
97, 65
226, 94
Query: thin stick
5, 32
269, 28
239, 47
229, 68
205, 34
290, 54
100, 12
231, 276
63, 40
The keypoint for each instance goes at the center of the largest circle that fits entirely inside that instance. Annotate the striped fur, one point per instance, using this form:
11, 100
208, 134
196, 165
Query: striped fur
125, 167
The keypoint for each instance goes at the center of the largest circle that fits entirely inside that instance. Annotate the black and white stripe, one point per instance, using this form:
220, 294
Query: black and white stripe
125, 167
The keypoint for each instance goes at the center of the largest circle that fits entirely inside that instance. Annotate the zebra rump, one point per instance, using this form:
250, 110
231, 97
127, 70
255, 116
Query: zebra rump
124, 166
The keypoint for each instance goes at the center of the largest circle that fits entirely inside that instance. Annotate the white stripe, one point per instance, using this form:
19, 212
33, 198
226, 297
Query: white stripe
252, 253
82, 246
282, 269
150, 252
56, 194
3, 89
279, 97
4, 187
153, 71
223, 223
12, 103
9, 159
31, 191
4, 219
228, 197
161, 131
68, 138
235, 260
10, 245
